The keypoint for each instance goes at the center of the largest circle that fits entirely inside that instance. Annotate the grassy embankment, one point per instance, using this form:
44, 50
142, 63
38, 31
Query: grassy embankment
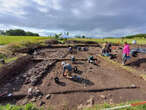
95, 107
11, 43
113, 40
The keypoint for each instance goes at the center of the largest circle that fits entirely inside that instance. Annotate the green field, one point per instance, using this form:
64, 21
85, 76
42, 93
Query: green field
113, 40
20, 39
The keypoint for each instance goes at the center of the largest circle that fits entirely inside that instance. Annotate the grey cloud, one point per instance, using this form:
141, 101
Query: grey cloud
81, 16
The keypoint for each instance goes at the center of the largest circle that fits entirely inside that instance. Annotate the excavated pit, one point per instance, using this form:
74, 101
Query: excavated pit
104, 82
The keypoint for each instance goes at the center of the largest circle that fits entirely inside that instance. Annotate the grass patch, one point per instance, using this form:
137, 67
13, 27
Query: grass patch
8, 60
20, 39
105, 106
114, 40
25, 107
143, 76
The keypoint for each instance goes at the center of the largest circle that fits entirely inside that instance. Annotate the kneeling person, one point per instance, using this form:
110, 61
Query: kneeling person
67, 69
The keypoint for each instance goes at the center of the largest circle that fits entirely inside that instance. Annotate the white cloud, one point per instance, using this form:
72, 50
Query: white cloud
42, 9
56, 4
41, 2
13, 7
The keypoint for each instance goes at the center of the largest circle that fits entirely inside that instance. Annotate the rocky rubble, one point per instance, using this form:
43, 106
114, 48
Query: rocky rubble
34, 75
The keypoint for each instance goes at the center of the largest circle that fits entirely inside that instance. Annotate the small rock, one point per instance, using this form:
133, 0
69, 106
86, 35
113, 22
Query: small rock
33, 100
90, 102
25, 101
24, 76
42, 103
81, 106
29, 91
48, 96
110, 95
111, 101
39, 97
34, 81
38, 91
27, 81
133, 86
103, 97
17, 78
14, 89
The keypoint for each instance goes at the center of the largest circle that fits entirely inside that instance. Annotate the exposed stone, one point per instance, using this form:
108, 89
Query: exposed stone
103, 97
90, 102
17, 78
42, 103
109, 95
34, 81
81, 106
14, 89
39, 97
25, 101
48, 96
29, 91
33, 99
111, 101
133, 86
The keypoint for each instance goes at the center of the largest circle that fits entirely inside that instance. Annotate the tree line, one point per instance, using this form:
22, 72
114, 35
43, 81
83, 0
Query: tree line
135, 36
17, 32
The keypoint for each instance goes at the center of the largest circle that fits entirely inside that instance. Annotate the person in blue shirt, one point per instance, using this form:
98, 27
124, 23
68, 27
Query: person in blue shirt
67, 69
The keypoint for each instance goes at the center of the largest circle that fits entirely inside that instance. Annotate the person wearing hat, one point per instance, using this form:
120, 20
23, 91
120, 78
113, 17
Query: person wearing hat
67, 69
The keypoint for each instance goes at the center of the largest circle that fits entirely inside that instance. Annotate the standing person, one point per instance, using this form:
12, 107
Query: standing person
67, 70
103, 48
126, 53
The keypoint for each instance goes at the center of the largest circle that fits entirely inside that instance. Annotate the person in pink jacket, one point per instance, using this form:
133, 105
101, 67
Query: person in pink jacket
126, 53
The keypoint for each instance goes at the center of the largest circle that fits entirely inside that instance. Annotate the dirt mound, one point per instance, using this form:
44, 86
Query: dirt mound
53, 41
80, 42
10, 70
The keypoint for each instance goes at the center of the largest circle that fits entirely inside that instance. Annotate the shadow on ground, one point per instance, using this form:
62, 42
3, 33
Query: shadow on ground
137, 62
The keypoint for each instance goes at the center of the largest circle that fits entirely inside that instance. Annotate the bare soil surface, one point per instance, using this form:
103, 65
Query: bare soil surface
138, 63
104, 82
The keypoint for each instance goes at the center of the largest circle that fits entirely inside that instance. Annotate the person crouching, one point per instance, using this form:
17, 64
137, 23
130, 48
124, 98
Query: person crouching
67, 70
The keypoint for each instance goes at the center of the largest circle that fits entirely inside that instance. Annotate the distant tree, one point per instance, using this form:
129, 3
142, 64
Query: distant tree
31, 34
57, 36
135, 36
20, 32
83, 36
67, 33
16, 32
78, 36
2, 32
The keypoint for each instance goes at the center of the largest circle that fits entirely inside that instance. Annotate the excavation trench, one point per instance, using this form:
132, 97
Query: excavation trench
39, 70
25, 71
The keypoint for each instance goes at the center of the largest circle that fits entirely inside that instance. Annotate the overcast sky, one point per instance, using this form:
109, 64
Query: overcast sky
100, 18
